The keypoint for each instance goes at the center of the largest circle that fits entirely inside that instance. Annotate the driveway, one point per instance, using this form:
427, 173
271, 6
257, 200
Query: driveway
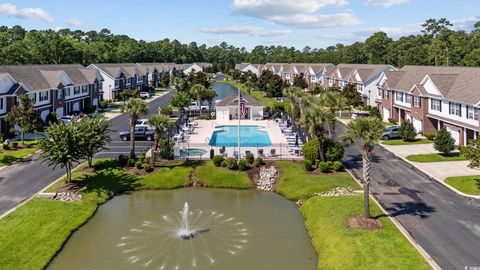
445, 224
437, 170
20, 181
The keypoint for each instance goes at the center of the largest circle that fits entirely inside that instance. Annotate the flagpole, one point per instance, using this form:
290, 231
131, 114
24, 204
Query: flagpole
239, 116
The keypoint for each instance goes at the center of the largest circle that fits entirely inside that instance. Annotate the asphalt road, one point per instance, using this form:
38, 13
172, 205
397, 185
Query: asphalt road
20, 181
445, 224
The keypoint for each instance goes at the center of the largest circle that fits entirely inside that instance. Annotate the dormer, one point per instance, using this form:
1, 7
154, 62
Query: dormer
430, 86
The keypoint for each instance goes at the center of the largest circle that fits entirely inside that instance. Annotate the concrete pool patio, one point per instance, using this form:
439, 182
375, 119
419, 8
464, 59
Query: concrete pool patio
200, 139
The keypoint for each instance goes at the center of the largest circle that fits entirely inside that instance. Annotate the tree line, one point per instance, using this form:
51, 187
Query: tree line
437, 44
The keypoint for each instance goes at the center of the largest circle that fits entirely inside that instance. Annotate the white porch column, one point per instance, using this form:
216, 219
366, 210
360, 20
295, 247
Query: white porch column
464, 136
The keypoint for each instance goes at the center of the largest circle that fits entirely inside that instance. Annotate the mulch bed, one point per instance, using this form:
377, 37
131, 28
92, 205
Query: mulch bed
362, 223
135, 171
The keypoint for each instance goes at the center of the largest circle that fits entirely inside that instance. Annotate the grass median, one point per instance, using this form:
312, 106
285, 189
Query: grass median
466, 184
342, 247
436, 157
402, 142
295, 183
11, 155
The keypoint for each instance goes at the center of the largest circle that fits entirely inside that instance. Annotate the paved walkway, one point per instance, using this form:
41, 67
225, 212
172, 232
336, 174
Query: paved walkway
437, 170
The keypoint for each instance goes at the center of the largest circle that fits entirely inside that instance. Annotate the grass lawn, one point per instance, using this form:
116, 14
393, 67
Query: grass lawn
296, 184
402, 142
266, 101
168, 177
436, 157
466, 184
210, 176
341, 247
9, 156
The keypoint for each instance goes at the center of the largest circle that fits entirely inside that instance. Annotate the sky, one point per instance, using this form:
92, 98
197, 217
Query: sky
242, 23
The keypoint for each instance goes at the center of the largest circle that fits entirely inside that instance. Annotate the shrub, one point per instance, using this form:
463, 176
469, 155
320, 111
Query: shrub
6, 147
242, 165
258, 161
337, 166
330, 165
130, 162
392, 120
407, 132
250, 158
308, 165
374, 112
147, 167
165, 148
231, 163
88, 110
444, 142
14, 144
122, 160
430, 136
167, 110
103, 104
323, 167
142, 156
51, 118
310, 150
333, 150
138, 164
217, 160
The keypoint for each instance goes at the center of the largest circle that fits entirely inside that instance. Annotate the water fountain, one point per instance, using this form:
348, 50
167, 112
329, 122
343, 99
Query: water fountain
226, 234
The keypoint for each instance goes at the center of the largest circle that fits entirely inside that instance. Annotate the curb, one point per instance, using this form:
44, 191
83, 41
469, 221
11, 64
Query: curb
402, 230
431, 177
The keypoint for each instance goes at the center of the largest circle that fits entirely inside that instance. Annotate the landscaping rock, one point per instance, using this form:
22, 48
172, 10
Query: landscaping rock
66, 197
267, 179
340, 191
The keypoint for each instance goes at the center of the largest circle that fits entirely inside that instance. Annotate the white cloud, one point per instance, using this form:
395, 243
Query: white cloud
298, 13
75, 22
249, 30
11, 10
465, 24
385, 3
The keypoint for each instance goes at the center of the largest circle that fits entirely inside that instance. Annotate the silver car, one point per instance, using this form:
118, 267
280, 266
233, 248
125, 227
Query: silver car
391, 132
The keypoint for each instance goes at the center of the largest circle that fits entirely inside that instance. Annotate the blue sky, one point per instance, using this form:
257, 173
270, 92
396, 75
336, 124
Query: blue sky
298, 23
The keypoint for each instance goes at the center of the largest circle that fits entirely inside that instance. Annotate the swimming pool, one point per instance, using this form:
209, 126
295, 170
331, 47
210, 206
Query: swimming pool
250, 136
193, 152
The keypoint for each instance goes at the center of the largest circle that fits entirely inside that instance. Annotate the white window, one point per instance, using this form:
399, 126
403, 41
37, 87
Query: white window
408, 98
455, 108
399, 96
117, 83
140, 79
436, 105
68, 91
84, 88
385, 94
59, 93
76, 90
417, 102
33, 97
129, 81
43, 96
472, 113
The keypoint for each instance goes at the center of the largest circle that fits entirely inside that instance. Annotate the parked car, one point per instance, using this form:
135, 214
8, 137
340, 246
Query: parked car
145, 94
142, 123
356, 115
194, 107
66, 119
142, 133
391, 132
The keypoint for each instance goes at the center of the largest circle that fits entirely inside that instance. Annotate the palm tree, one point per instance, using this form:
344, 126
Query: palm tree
334, 100
160, 123
314, 121
134, 107
209, 95
198, 91
180, 101
368, 130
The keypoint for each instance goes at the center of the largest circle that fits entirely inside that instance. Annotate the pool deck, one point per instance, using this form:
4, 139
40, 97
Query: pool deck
201, 137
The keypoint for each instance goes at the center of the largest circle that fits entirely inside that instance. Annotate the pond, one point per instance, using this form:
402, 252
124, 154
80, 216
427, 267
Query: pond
224, 90
191, 228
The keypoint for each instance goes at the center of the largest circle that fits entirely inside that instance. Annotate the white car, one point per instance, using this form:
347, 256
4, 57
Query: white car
145, 94
142, 123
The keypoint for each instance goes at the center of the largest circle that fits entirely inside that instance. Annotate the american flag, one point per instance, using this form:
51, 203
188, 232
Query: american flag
243, 108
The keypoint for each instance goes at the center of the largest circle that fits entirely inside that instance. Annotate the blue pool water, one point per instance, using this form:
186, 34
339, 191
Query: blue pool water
250, 136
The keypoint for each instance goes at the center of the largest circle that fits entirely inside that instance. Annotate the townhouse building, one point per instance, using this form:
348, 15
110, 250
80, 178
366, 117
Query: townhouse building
364, 77
433, 98
53, 88
276, 68
257, 69
195, 67
118, 77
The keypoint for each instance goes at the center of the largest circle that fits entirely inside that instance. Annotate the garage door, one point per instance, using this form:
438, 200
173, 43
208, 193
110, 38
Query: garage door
95, 102
43, 115
455, 134
76, 106
59, 112
386, 114
417, 124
